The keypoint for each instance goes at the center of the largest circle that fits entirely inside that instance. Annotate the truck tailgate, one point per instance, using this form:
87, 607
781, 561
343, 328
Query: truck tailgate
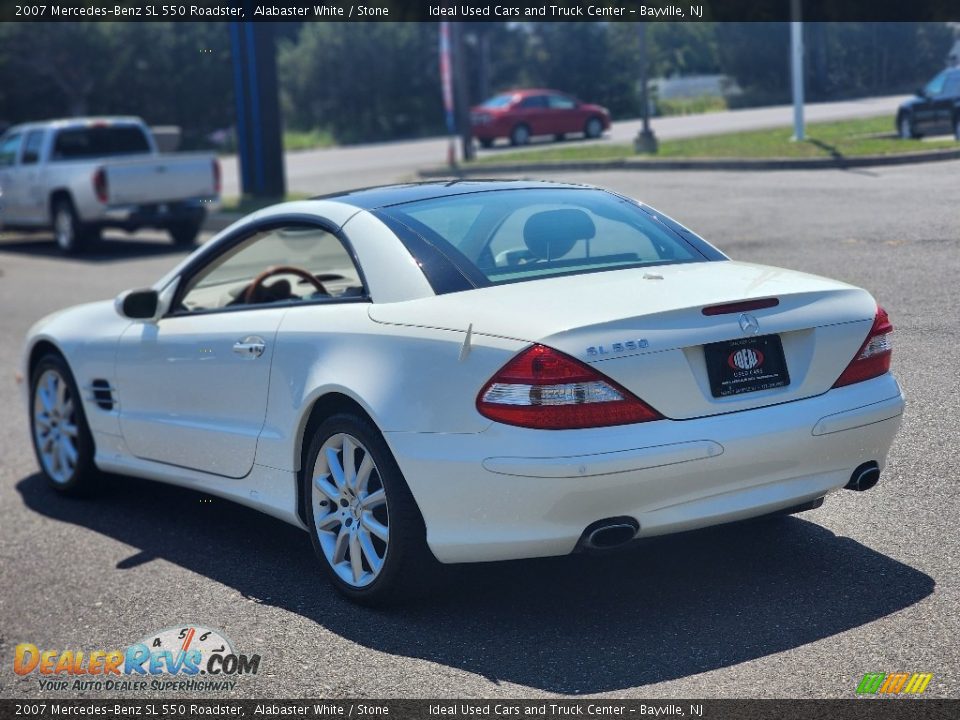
141, 181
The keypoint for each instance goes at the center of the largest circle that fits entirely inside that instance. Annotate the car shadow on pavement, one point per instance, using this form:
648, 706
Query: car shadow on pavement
673, 607
110, 249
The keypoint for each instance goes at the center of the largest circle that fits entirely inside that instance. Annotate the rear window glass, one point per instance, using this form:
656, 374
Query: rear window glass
92, 142
499, 101
516, 235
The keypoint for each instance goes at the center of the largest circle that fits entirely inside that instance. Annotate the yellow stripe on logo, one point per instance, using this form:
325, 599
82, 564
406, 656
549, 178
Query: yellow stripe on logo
918, 683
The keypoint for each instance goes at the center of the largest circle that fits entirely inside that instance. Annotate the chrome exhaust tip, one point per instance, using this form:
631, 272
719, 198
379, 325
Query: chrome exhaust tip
609, 534
864, 477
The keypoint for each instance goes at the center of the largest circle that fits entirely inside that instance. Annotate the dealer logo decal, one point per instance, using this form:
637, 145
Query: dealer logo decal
745, 359
183, 653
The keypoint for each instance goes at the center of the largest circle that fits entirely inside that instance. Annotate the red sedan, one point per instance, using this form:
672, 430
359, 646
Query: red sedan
522, 114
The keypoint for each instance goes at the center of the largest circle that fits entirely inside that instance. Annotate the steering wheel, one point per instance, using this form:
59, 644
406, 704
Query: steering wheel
253, 291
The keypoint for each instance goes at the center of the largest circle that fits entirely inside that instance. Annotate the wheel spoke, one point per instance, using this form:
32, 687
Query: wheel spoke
349, 462
336, 469
61, 395
328, 522
43, 420
370, 552
67, 411
68, 429
340, 548
356, 559
323, 485
45, 399
69, 450
363, 474
368, 521
374, 499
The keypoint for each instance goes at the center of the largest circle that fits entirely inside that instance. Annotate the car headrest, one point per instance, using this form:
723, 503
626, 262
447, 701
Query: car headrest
552, 234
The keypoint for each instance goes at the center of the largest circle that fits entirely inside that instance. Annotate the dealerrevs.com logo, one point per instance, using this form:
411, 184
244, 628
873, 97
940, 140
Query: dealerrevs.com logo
187, 658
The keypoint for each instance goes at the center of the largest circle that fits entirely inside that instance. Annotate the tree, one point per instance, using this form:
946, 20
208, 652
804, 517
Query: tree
167, 73
363, 81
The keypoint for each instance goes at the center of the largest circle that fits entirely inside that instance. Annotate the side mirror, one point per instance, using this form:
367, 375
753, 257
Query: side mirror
141, 304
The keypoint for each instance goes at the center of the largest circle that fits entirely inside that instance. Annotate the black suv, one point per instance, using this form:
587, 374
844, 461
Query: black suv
935, 109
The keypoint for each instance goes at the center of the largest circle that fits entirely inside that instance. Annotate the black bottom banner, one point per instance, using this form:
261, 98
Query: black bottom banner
853, 709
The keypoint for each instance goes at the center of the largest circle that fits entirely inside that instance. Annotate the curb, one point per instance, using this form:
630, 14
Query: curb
831, 163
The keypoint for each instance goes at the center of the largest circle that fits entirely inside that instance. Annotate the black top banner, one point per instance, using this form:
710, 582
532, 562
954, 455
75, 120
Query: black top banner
478, 10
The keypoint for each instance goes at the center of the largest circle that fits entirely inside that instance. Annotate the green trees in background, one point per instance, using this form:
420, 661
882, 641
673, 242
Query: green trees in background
843, 60
363, 82
380, 81
168, 73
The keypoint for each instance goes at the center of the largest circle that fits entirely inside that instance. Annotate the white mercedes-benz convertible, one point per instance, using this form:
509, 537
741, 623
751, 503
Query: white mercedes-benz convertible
470, 371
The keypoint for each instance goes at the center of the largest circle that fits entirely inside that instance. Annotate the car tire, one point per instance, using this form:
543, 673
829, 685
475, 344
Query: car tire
364, 524
59, 430
72, 236
185, 232
593, 129
905, 129
486, 143
520, 135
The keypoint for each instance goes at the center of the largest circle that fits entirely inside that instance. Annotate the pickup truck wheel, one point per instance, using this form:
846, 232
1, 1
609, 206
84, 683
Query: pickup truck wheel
72, 236
184, 233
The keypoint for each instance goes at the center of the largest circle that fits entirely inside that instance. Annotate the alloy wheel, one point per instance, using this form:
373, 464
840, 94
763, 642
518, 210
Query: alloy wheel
55, 426
350, 511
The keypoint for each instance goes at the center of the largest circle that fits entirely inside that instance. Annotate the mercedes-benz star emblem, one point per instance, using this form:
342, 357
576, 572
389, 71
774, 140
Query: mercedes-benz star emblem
749, 324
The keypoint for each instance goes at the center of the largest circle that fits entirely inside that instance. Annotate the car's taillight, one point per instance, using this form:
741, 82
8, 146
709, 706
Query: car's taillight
216, 177
873, 357
545, 389
100, 184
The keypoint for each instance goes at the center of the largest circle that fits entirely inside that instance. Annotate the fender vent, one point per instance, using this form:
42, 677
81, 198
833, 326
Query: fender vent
101, 393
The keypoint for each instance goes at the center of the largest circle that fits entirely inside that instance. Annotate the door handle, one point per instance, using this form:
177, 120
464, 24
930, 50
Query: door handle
250, 347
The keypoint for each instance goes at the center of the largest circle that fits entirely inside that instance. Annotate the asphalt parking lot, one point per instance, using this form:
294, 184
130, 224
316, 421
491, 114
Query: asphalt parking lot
793, 607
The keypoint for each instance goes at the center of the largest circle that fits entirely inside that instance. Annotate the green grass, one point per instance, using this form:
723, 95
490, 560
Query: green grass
841, 139
247, 204
307, 140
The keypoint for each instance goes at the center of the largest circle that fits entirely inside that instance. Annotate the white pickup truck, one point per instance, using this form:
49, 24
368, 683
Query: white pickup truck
82, 175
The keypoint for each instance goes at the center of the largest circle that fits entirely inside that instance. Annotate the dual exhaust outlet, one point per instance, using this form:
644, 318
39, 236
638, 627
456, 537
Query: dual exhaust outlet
613, 533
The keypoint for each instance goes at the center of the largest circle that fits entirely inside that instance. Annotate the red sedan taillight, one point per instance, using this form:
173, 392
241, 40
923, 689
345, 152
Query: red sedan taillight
544, 389
873, 358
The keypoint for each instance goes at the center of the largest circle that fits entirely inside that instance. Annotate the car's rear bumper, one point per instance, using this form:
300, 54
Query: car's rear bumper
509, 493
155, 214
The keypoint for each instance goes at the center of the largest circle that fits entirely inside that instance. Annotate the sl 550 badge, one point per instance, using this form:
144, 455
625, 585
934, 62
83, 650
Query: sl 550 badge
618, 347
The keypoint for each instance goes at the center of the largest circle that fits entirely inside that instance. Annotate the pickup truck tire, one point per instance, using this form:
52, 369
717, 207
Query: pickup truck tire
184, 233
72, 236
